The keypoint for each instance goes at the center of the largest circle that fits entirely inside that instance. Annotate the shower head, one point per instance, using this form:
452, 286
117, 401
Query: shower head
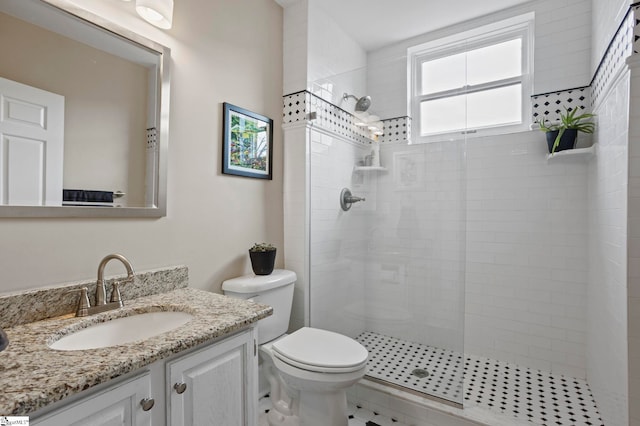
362, 104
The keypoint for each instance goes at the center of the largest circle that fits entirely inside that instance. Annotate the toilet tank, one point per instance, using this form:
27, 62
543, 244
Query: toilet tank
275, 290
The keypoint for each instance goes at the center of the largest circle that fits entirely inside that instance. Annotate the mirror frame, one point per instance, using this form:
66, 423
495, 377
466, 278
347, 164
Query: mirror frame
162, 119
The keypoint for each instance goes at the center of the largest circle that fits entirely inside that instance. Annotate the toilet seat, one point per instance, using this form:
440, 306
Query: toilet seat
320, 351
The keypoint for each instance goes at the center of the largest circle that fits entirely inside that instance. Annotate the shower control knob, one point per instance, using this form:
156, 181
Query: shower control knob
347, 199
180, 387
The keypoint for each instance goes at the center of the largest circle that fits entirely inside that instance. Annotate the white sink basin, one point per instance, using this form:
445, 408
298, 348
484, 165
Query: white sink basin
122, 330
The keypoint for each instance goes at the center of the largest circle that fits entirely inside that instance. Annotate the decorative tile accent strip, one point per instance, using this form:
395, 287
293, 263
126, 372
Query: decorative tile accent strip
295, 107
636, 28
396, 130
305, 106
42, 303
621, 47
545, 106
548, 106
337, 120
152, 139
625, 42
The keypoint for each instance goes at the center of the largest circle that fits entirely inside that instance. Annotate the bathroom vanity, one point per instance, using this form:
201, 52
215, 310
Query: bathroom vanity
202, 372
206, 386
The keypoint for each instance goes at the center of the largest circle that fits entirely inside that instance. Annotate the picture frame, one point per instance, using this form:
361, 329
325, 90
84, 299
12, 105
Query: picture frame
247, 148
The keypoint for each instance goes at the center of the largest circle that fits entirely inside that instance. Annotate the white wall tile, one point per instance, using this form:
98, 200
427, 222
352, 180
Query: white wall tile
606, 332
606, 15
416, 231
295, 193
633, 302
529, 238
295, 47
336, 237
562, 52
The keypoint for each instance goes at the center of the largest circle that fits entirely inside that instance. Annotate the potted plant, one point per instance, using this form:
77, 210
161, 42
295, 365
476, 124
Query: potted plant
263, 257
563, 135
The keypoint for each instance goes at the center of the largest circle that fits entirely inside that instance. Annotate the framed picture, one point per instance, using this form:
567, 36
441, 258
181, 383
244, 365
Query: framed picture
247, 143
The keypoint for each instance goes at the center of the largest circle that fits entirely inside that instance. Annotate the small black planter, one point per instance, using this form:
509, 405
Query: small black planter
567, 141
262, 261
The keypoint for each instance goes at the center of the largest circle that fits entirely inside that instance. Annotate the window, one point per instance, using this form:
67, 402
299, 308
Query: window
476, 83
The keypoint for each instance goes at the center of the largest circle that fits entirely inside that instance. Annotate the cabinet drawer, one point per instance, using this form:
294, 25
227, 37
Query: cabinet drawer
120, 404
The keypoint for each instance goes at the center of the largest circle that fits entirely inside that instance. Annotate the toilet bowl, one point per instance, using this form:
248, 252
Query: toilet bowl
309, 370
315, 367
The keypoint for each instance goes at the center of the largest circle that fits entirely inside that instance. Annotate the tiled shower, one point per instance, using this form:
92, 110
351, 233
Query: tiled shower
454, 255
476, 271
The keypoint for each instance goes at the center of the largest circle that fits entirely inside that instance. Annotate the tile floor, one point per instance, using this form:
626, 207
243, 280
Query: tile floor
426, 369
358, 416
541, 398
535, 396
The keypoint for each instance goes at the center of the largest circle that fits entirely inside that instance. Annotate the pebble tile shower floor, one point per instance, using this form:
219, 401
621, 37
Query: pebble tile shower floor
541, 398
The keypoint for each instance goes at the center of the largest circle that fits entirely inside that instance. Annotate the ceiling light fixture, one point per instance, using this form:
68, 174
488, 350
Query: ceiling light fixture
156, 12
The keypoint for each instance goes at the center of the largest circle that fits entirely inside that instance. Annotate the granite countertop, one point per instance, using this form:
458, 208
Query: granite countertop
32, 375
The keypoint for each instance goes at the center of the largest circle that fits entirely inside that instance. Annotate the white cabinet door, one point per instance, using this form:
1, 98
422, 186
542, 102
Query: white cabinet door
216, 385
31, 145
118, 405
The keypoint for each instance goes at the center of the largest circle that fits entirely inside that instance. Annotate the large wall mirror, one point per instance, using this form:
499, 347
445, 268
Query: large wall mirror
83, 115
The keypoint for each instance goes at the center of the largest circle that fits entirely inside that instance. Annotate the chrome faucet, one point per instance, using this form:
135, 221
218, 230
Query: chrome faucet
84, 308
101, 294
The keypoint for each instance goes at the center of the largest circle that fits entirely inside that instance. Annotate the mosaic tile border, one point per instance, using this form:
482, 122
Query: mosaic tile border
396, 130
636, 27
621, 47
304, 106
295, 107
336, 120
152, 139
625, 43
548, 106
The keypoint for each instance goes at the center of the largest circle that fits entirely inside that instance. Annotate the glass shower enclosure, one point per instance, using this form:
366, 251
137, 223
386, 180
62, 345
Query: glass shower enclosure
390, 271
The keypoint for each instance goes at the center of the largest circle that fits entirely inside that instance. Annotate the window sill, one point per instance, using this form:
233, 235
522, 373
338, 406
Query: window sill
469, 136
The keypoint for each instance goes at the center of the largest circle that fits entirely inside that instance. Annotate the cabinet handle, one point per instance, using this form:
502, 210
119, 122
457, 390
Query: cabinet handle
180, 387
147, 404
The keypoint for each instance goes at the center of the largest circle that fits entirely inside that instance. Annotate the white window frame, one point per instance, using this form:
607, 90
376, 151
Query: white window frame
518, 27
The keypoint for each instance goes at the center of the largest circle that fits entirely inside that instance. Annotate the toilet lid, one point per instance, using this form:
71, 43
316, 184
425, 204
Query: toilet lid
320, 350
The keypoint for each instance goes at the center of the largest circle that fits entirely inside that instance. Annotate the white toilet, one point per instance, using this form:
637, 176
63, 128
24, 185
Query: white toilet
307, 371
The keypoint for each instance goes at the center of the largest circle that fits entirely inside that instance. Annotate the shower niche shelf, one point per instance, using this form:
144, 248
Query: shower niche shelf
579, 154
369, 169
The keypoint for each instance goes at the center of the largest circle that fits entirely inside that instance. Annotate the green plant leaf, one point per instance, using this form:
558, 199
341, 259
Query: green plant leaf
569, 120
556, 143
545, 128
